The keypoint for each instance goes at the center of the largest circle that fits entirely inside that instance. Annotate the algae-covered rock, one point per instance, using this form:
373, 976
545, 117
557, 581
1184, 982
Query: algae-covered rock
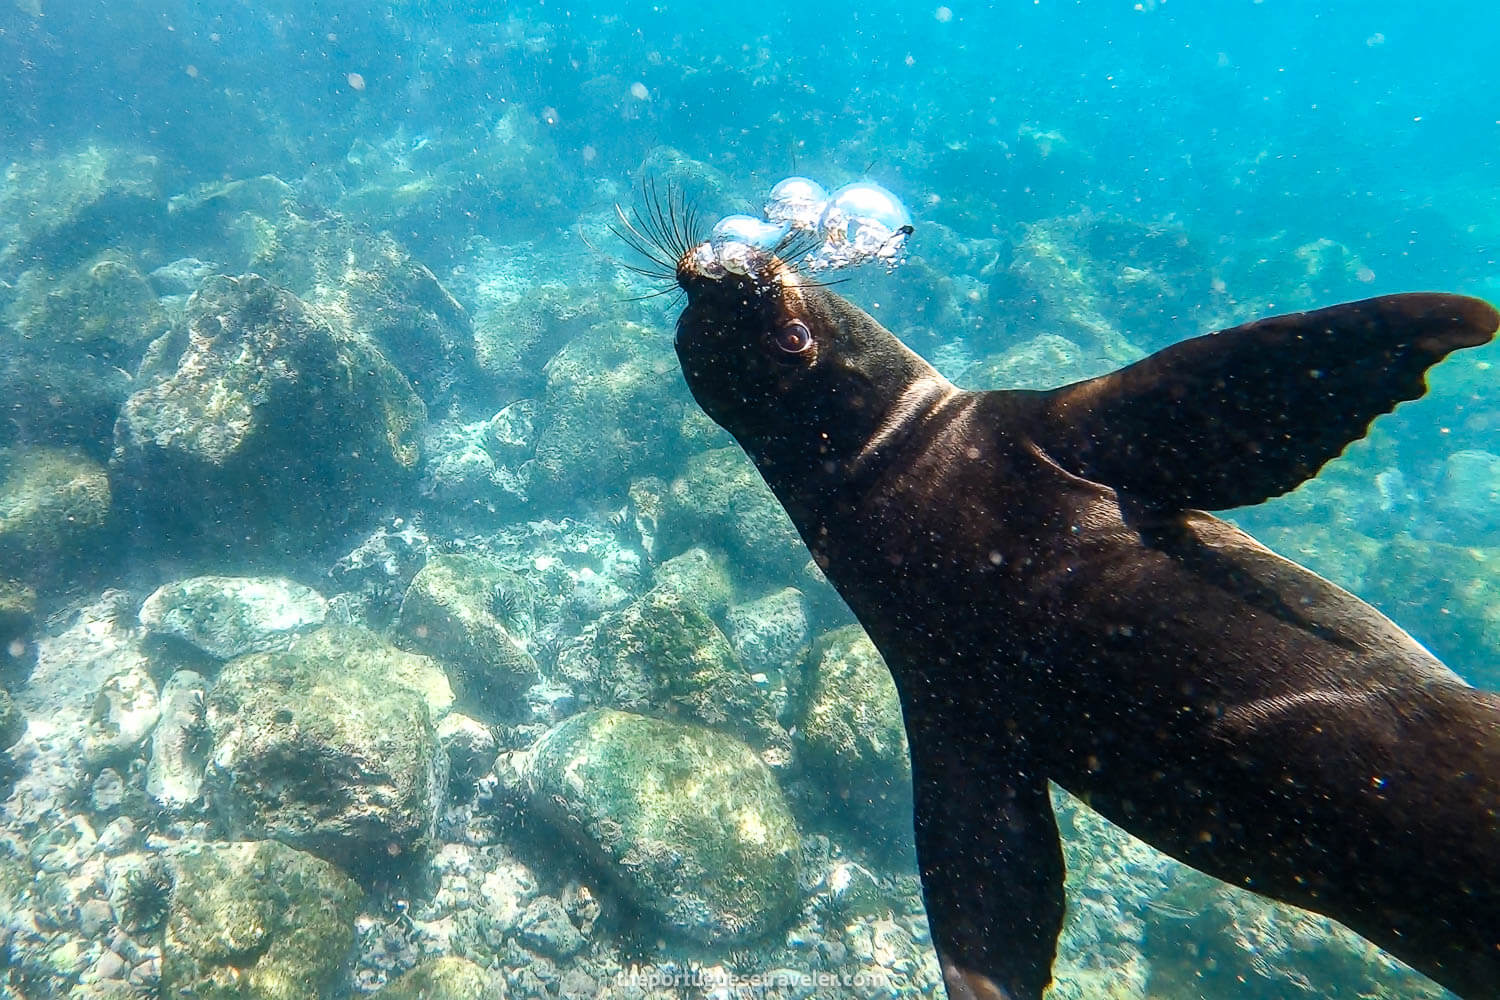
256, 921
263, 425
689, 822
466, 612
104, 308
470, 745
179, 743
370, 288
1467, 499
852, 735
614, 400
663, 656
545, 927
1448, 597
769, 634
719, 495
445, 978
12, 721
474, 463
60, 209
329, 746
229, 616
699, 575
71, 341
52, 505
1043, 362
125, 711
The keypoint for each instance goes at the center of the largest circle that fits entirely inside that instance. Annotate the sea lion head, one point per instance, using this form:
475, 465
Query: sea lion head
780, 361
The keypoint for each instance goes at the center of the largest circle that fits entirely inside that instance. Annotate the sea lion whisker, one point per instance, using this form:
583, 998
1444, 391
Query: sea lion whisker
643, 244
653, 221
663, 222
678, 224
652, 295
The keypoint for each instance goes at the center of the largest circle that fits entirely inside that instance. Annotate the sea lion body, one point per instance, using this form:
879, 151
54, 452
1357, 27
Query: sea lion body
1052, 606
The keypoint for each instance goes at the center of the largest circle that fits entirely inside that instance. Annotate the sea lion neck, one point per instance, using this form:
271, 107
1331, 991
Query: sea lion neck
806, 381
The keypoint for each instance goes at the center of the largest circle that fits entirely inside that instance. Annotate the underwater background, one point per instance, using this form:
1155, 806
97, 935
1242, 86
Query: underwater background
379, 616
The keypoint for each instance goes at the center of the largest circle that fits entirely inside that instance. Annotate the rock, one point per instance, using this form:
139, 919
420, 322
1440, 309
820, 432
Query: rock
72, 339
262, 424
510, 435
181, 277
60, 210
104, 308
663, 656
720, 495
769, 634
369, 288
1043, 362
470, 745
125, 710
179, 743
12, 722
545, 927
461, 469
648, 504
53, 504
329, 746
519, 329
256, 920
689, 822
375, 573
229, 616
853, 738
698, 575
614, 401
446, 978
467, 612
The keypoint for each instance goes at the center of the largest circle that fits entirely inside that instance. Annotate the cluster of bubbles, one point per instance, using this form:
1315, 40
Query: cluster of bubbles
856, 224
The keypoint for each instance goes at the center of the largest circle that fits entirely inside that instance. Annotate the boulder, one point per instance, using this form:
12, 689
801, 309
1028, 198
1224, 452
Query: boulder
445, 978
256, 920
125, 711
689, 822
468, 612
53, 506
663, 656
612, 407
229, 616
329, 746
262, 426
179, 743
72, 340
59, 210
852, 736
769, 634
720, 495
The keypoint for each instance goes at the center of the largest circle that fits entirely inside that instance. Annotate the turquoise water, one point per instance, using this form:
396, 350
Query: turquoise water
324, 562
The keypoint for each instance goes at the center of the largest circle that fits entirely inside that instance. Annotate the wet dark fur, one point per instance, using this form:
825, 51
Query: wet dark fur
1052, 607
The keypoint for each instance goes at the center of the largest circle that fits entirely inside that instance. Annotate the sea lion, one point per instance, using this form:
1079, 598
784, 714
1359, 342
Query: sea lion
1038, 571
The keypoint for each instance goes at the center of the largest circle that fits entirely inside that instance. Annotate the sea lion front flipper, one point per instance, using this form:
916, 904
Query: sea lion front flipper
992, 869
1236, 417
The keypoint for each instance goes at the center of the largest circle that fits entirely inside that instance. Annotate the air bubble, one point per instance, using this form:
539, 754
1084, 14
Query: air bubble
858, 223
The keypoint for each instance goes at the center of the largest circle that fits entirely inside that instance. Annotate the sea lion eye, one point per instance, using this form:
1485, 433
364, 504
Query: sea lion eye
794, 337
